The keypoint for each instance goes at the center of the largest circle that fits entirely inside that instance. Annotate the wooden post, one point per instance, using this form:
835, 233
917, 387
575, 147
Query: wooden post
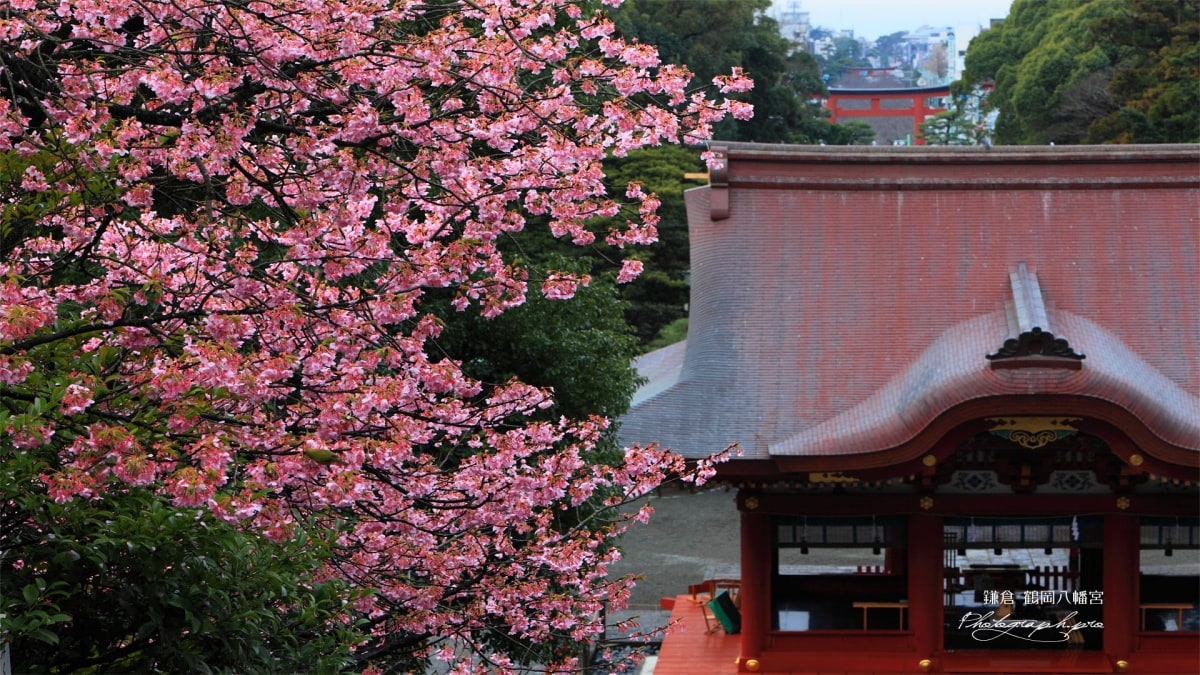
1121, 566
756, 557
925, 583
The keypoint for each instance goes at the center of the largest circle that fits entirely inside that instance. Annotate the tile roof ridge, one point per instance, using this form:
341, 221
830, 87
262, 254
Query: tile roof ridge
1031, 342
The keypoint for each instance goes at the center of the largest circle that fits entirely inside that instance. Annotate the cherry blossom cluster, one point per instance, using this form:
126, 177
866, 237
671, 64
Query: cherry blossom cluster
230, 216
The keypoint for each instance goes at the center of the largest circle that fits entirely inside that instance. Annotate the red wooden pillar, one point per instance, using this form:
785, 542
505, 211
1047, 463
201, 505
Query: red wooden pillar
756, 588
1121, 565
925, 583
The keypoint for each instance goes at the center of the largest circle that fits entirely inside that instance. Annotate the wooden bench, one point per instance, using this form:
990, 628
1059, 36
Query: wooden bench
866, 606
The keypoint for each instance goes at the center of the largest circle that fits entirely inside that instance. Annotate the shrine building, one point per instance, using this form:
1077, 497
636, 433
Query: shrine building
966, 386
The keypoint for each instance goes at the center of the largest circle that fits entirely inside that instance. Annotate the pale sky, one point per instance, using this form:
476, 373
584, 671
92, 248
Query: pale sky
873, 18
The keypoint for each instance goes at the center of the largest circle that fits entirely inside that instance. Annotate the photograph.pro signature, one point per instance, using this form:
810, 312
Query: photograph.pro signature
986, 627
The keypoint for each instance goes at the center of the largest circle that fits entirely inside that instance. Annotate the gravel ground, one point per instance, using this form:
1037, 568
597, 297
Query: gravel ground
691, 537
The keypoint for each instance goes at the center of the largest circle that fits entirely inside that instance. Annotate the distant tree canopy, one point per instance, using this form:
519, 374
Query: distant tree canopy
1092, 71
848, 55
711, 36
889, 49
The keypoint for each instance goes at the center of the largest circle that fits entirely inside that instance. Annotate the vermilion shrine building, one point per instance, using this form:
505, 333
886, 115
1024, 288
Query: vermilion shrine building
967, 387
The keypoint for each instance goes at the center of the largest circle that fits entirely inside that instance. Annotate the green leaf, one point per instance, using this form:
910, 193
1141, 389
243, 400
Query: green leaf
44, 635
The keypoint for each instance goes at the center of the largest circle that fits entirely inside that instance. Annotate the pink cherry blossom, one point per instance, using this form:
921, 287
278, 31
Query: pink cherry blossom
630, 269
76, 399
238, 213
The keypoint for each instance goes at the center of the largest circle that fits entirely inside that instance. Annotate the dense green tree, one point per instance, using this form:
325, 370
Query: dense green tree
807, 80
853, 132
1072, 71
582, 349
1037, 58
1157, 89
950, 127
712, 36
660, 295
131, 584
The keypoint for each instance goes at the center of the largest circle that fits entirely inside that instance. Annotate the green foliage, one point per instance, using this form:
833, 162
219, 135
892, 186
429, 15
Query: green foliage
129, 583
853, 132
581, 348
22, 210
660, 294
950, 127
676, 331
1097, 71
1157, 87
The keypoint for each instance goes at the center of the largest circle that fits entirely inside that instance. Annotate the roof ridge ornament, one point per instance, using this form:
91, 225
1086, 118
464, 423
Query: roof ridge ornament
718, 182
1033, 344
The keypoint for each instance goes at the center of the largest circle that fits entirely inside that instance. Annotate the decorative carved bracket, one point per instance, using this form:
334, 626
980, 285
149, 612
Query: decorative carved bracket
830, 477
1033, 344
1033, 432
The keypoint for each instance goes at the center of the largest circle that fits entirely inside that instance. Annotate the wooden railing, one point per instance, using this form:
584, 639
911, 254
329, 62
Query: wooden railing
1041, 577
1053, 578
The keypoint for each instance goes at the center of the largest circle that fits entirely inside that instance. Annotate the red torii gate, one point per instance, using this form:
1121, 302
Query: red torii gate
895, 114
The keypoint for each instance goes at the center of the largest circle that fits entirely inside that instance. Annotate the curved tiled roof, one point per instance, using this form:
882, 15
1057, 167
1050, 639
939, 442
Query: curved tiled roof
660, 368
852, 297
950, 373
